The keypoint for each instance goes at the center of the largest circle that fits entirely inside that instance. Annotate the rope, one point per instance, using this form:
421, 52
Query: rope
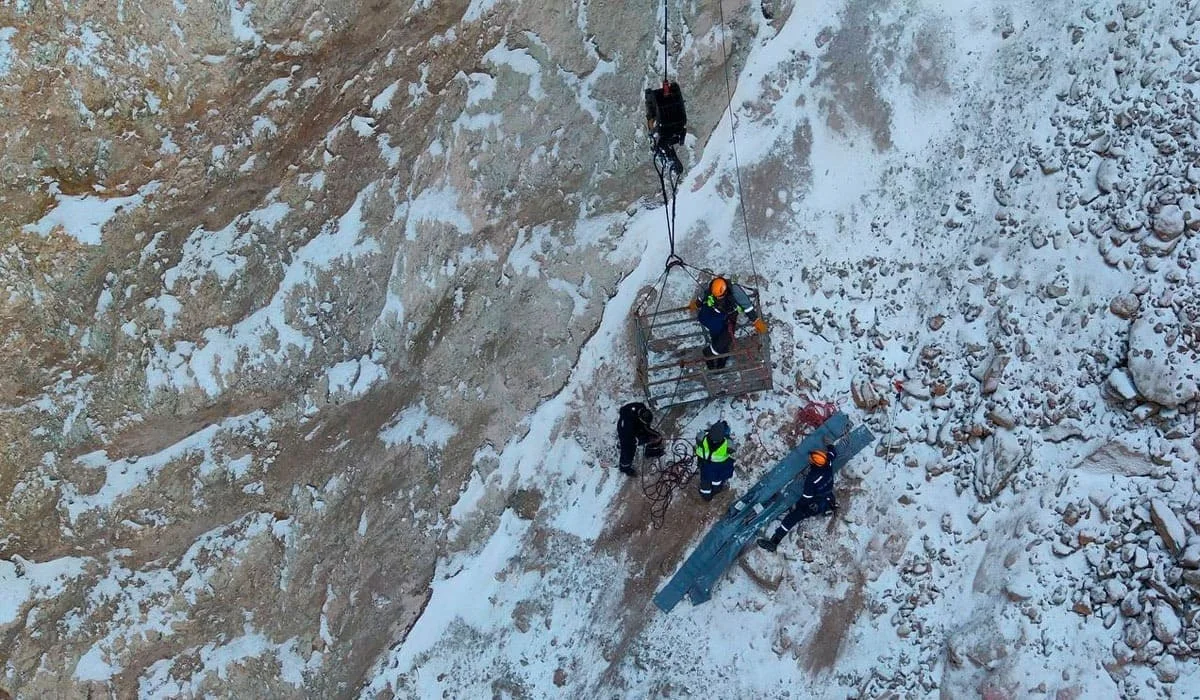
664, 42
737, 168
668, 174
660, 481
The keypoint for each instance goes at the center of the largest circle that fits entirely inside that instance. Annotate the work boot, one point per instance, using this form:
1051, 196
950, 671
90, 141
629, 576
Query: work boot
772, 543
627, 470
706, 497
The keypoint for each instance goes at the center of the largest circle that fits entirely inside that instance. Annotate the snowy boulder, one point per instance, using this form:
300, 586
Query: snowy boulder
1058, 287
1137, 633
981, 642
1165, 623
1125, 305
765, 570
989, 374
1108, 176
1168, 526
1163, 369
1131, 605
916, 389
1167, 669
1002, 454
1169, 223
1115, 591
1116, 457
1002, 417
867, 395
1020, 587
1121, 383
1190, 559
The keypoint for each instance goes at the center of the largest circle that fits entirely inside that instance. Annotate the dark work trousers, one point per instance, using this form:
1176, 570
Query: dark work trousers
629, 445
806, 508
719, 344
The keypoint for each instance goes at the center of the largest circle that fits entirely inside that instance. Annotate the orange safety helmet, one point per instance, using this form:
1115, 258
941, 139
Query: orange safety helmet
818, 458
718, 287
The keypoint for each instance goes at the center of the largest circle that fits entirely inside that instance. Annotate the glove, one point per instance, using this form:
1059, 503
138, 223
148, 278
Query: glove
694, 305
760, 326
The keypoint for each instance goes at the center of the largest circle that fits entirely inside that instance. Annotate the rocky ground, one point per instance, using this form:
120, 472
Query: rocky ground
1002, 291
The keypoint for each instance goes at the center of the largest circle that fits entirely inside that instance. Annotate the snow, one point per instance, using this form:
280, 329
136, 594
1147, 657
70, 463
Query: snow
278, 86
953, 563
224, 349
383, 101
477, 9
439, 206
392, 155
217, 657
417, 426
240, 22
460, 586
153, 601
21, 580
363, 126
6, 50
93, 667
1163, 373
124, 475
90, 46
354, 378
520, 61
293, 666
83, 216
260, 126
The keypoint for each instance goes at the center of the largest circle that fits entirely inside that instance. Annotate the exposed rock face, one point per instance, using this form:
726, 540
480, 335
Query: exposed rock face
328, 263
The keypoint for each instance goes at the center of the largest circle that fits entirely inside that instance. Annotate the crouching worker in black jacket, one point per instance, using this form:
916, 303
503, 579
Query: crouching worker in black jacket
635, 427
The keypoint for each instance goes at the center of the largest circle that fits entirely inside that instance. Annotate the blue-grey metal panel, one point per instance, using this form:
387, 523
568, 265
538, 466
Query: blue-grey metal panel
745, 511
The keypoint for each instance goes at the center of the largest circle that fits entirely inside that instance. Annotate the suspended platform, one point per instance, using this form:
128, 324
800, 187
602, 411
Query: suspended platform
672, 366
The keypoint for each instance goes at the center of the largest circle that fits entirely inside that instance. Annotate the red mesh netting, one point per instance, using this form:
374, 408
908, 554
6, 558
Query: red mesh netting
815, 413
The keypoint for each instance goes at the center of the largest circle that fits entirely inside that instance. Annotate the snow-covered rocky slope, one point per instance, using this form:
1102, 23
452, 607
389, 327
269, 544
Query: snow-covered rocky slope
992, 204
317, 320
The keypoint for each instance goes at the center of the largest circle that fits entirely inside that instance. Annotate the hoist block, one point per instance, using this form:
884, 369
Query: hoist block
666, 116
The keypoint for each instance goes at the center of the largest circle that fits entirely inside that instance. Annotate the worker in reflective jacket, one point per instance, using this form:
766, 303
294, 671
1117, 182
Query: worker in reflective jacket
714, 452
717, 308
817, 499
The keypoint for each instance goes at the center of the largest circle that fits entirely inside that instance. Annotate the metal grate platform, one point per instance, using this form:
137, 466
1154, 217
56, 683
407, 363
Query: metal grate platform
672, 366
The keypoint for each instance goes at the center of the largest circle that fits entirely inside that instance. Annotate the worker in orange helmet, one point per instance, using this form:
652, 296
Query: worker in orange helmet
717, 307
816, 499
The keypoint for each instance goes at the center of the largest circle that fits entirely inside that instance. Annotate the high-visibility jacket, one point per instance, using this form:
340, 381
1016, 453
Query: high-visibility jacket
705, 451
716, 464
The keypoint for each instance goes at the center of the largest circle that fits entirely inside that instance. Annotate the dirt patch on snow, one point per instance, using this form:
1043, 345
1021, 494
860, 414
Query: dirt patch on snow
837, 615
653, 555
